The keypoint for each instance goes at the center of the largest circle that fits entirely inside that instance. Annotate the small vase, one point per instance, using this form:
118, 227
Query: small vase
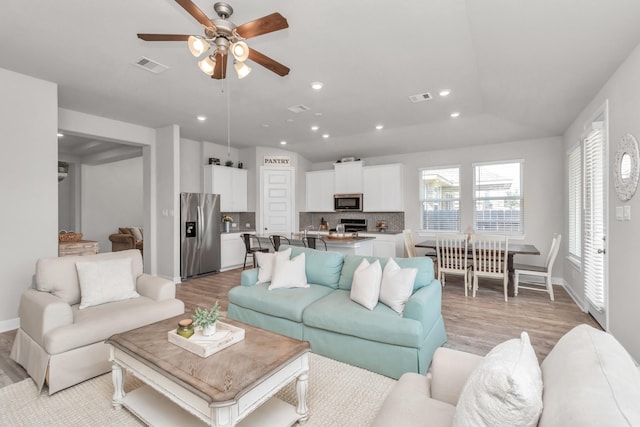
227, 226
209, 330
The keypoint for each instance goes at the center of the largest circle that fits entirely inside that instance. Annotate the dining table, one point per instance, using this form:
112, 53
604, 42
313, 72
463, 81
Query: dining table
513, 250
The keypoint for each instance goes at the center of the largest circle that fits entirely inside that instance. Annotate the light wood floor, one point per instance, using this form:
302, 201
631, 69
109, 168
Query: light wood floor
475, 325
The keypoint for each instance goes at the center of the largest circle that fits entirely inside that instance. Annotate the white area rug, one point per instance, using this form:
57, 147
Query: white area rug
339, 395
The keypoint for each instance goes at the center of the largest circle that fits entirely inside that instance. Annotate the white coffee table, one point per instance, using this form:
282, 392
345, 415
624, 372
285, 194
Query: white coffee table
233, 386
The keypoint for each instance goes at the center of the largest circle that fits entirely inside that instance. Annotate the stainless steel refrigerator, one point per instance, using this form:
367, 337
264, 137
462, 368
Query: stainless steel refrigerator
200, 225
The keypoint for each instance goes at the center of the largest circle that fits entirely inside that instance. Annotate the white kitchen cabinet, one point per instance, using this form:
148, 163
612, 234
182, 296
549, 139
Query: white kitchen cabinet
320, 190
232, 251
348, 177
385, 245
230, 183
383, 188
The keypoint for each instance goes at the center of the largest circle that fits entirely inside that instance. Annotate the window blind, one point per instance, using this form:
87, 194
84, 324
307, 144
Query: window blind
440, 199
498, 202
575, 202
594, 218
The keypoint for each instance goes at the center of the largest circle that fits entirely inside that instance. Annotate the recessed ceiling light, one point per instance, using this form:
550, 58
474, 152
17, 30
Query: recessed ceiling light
317, 114
379, 127
283, 142
325, 135
317, 85
266, 125
314, 128
445, 92
290, 120
60, 135
201, 118
455, 114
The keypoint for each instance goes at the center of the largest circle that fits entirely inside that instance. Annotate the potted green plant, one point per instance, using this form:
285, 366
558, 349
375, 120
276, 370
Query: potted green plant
206, 319
229, 163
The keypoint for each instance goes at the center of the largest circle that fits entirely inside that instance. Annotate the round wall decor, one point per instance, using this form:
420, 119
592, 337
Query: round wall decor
626, 170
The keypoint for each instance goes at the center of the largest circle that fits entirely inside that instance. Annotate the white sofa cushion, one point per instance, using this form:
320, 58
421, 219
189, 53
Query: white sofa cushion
590, 380
266, 261
397, 285
365, 288
105, 281
505, 389
289, 273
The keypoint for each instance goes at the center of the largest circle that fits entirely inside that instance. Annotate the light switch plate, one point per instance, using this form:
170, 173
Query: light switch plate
619, 213
627, 213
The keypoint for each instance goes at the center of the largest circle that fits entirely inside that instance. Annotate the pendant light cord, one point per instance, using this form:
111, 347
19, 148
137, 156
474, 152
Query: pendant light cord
228, 118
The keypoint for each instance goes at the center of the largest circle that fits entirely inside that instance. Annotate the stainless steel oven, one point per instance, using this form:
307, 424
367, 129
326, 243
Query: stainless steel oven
347, 202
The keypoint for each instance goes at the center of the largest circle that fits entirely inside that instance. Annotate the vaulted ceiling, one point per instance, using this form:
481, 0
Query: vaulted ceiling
517, 69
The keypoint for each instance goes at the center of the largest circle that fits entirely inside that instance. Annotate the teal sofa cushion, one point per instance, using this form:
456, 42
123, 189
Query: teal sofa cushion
337, 313
322, 267
287, 303
424, 265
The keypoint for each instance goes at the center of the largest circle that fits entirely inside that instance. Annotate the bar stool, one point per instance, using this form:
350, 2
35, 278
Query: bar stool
310, 242
251, 250
276, 240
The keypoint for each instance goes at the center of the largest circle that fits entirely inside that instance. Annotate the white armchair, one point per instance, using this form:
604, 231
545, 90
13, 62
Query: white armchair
62, 344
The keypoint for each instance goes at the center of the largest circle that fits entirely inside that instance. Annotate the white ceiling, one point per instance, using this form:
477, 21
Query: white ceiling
518, 69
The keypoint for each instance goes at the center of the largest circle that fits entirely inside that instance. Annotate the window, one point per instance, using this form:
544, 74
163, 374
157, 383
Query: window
498, 202
440, 199
575, 202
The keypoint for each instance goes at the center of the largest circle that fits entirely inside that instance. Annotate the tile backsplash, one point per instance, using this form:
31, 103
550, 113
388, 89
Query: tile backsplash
394, 220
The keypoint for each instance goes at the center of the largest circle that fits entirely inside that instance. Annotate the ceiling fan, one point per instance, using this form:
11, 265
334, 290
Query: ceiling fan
223, 36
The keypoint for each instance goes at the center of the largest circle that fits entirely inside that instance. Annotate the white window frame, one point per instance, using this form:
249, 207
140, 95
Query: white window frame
574, 192
424, 200
519, 198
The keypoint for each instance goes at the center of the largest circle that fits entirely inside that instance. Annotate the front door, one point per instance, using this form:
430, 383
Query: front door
277, 200
595, 258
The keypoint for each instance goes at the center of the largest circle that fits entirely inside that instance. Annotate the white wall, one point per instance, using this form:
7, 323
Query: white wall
112, 197
623, 94
190, 166
28, 184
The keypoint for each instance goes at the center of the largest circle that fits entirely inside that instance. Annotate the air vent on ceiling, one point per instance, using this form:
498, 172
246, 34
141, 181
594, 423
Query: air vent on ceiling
420, 97
299, 108
151, 65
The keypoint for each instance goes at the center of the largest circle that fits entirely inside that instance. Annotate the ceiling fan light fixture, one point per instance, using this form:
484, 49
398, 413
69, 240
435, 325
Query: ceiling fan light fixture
207, 65
240, 51
242, 69
197, 45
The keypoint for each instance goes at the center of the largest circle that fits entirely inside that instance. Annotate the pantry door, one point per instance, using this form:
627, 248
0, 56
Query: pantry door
277, 200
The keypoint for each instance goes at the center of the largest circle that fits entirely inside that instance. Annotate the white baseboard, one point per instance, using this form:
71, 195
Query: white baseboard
577, 299
9, 325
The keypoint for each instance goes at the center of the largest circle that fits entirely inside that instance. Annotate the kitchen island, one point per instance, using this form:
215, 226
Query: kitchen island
354, 245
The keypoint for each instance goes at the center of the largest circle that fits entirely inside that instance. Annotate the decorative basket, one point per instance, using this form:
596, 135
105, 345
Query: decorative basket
69, 236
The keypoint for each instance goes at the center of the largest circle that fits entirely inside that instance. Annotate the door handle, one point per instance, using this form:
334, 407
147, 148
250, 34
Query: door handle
601, 251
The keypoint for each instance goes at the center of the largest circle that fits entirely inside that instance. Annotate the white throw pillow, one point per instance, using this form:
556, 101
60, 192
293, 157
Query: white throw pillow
397, 285
105, 281
365, 287
266, 261
289, 273
137, 232
505, 389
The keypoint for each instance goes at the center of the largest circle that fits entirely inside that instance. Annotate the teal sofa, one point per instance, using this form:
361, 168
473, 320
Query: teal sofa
379, 340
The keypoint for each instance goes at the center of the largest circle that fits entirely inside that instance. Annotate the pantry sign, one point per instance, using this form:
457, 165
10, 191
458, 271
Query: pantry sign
277, 161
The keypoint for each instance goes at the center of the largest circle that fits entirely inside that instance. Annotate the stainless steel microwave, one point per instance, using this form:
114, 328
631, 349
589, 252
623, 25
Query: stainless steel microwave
347, 202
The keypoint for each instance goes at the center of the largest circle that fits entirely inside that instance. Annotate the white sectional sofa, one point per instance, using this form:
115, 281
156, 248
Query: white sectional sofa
63, 343
588, 380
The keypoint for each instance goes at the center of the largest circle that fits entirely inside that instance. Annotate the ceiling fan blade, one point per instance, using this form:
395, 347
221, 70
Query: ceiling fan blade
264, 25
164, 37
220, 71
268, 63
196, 13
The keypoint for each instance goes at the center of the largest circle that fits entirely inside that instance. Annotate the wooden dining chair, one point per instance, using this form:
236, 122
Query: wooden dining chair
277, 240
251, 250
538, 271
451, 252
312, 242
490, 259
